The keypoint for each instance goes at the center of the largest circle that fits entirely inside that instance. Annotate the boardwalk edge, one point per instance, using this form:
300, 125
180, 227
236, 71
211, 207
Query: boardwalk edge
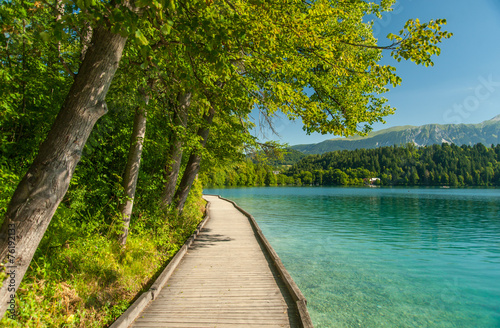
292, 287
129, 316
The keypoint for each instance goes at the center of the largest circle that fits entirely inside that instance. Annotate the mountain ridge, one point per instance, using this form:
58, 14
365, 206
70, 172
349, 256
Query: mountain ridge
486, 132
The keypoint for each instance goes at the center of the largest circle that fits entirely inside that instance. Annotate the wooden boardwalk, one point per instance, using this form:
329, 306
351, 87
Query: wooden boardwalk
226, 279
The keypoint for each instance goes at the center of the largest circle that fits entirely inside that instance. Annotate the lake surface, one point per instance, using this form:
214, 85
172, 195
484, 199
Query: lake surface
386, 257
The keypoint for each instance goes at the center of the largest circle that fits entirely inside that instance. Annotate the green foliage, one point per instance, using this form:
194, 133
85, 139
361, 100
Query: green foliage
8, 181
245, 173
33, 82
432, 165
428, 36
289, 157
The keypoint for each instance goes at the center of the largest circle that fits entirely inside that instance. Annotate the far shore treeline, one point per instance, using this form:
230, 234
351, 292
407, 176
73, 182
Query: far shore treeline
436, 165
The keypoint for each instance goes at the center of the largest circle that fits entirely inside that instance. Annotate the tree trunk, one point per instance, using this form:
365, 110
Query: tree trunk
193, 165
132, 169
175, 154
43, 187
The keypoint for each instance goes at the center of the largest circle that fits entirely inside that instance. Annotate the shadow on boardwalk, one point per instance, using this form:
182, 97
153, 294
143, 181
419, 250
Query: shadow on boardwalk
207, 238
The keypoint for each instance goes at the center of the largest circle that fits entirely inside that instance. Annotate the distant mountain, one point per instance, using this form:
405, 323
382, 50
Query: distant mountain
487, 133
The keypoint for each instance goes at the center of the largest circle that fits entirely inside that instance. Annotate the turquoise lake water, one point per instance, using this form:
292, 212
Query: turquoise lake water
386, 257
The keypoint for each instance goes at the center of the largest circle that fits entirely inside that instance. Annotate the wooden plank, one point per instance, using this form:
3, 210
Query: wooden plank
204, 325
241, 308
207, 318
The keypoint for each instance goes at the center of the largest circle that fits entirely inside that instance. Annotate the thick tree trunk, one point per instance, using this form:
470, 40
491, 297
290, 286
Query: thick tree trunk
43, 187
132, 169
175, 154
193, 165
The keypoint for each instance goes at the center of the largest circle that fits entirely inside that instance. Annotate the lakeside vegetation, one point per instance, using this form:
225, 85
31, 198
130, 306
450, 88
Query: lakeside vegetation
436, 165
81, 276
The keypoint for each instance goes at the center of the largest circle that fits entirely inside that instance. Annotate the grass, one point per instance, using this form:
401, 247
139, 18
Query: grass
79, 278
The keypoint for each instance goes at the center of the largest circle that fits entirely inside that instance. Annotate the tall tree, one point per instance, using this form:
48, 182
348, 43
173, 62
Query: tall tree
133, 164
193, 164
172, 168
46, 182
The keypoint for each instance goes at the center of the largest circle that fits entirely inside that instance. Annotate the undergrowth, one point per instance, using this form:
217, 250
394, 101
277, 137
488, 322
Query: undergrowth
81, 277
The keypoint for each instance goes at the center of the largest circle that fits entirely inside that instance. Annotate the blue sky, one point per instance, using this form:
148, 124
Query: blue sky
462, 87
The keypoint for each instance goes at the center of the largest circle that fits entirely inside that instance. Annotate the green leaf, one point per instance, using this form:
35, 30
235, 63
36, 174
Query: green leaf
165, 29
171, 6
141, 38
142, 3
45, 36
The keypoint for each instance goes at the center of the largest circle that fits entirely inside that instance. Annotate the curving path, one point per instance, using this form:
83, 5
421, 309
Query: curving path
226, 279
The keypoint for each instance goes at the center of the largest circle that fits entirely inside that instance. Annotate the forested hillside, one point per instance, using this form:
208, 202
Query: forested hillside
437, 165
432, 165
111, 109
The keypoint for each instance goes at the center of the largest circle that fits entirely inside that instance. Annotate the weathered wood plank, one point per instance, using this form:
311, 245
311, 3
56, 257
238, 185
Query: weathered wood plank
204, 325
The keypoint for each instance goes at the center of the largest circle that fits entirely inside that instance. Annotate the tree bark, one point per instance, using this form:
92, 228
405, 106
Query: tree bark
175, 154
133, 166
43, 187
193, 165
